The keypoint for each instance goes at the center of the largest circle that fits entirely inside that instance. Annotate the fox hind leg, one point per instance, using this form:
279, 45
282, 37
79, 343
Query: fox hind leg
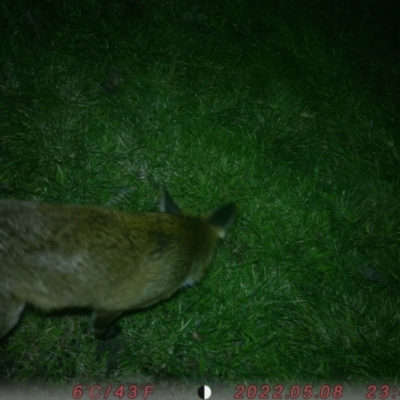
10, 310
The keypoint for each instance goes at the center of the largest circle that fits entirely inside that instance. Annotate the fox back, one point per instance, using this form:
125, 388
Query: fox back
61, 256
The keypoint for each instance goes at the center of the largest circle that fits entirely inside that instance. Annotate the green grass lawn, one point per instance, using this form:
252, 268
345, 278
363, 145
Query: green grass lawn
288, 108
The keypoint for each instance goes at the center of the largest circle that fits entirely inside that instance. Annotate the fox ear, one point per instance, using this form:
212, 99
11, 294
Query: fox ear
222, 219
167, 204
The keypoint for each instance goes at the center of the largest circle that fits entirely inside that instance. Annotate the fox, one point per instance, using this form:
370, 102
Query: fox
56, 256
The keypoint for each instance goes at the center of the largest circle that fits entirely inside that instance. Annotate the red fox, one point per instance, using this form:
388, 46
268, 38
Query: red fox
62, 256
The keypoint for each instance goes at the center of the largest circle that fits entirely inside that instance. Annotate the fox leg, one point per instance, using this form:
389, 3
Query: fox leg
10, 310
103, 326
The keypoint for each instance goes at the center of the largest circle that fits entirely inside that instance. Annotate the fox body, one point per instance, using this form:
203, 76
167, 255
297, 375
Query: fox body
59, 256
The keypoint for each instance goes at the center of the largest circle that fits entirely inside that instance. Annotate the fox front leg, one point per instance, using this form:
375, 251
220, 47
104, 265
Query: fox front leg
103, 327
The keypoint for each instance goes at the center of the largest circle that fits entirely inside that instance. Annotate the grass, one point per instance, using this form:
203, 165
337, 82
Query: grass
288, 109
